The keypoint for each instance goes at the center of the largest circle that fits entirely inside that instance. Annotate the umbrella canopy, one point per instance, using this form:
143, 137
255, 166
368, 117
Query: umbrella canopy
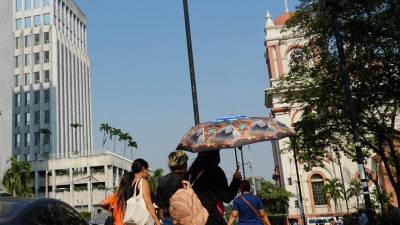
232, 132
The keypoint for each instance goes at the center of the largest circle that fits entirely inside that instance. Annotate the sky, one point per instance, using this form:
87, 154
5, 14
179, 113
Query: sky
140, 75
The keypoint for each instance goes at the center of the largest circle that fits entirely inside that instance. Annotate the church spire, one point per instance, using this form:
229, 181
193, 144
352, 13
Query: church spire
286, 6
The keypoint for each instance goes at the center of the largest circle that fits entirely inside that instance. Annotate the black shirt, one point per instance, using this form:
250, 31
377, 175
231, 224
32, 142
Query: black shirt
167, 186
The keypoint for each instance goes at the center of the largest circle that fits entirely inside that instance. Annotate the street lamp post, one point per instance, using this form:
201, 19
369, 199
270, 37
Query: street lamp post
344, 74
191, 63
301, 204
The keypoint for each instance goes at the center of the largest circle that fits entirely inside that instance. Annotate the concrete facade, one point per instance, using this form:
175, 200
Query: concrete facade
6, 70
278, 53
81, 181
51, 79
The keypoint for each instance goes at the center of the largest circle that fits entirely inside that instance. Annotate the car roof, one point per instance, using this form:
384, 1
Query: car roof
27, 200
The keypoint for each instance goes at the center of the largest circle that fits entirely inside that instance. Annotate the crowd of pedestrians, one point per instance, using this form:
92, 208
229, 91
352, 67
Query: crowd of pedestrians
207, 181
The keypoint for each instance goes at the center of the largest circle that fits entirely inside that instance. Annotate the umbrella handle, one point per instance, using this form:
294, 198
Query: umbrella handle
237, 163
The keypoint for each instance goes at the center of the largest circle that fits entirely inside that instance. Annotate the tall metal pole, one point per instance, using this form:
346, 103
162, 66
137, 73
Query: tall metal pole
344, 74
191, 63
244, 170
343, 186
301, 205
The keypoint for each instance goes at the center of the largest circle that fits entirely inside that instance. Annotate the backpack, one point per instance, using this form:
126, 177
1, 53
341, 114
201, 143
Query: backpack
185, 207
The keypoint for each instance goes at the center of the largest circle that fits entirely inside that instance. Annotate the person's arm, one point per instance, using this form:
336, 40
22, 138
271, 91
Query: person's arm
105, 203
264, 217
233, 217
147, 199
224, 192
161, 210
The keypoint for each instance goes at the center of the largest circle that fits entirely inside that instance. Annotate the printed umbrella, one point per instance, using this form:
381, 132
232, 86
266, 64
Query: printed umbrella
233, 131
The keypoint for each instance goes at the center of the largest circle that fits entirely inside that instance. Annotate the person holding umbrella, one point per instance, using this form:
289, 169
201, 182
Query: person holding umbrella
212, 185
248, 207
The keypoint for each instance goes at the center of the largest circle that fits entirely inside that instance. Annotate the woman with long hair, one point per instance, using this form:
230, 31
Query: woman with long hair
141, 172
116, 203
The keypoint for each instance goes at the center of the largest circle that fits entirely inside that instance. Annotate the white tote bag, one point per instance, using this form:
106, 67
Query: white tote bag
136, 212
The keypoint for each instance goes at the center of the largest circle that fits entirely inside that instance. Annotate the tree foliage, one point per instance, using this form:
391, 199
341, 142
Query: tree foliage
333, 191
275, 199
154, 178
18, 179
371, 36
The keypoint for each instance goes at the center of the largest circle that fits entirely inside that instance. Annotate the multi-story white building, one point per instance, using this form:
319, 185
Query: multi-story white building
45, 102
51, 81
6, 69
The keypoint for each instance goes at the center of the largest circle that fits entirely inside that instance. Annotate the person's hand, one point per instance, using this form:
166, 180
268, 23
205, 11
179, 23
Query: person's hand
237, 174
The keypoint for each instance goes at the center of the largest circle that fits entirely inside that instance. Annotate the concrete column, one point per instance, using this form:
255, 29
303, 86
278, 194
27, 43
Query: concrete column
71, 186
53, 182
116, 184
106, 180
89, 187
46, 184
36, 183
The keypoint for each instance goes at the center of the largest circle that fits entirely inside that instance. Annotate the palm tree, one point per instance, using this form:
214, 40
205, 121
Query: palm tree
45, 133
124, 137
114, 132
154, 178
76, 126
18, 179
333, 191
355, 191
105, 128
132, 144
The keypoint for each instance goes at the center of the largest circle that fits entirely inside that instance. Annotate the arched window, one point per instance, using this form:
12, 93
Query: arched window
317, 184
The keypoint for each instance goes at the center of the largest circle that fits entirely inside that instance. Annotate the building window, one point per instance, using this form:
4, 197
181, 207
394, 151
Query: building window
46, 37
17, 120
317, 184
17, 139
37, 39
27, 139
47, 96
37, 117
27, 41
17, 41
36, 3
46, 139
46, 56
17, 80
46, 18
37, 138
17, 100
46, 2
36, 21
17, 61
27, 78
28, 4
47, 116
27, 119
36, 77
37, 97
27, 98
46, 76
18, 24
18, 5
27, 59
36, 58
28, 22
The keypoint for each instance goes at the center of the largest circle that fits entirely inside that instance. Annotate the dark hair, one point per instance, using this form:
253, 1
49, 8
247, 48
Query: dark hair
208, 159
124, 191
138, 165
245, 185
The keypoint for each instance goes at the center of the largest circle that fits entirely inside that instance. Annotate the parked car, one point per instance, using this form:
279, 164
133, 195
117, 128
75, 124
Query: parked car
31, 211
318, 221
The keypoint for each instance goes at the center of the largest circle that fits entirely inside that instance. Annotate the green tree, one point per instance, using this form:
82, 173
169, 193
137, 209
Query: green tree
124, 137
18, 179
333, 191
154, 178
275, 198
114, 133
132, 144
105, 128
371, 36
355, 191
